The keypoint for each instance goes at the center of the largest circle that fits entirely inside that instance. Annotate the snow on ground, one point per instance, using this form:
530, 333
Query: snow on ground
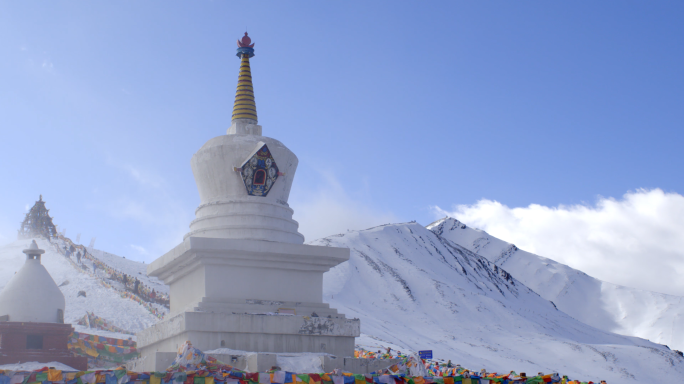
131, 268
34, 366
104, 302
614, 308
418, 291
290, 362
413, 289
228, 351
99, 332
305, 363
371, 343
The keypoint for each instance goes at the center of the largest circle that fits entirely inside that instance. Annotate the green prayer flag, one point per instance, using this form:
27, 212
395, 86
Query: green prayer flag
199, 380
304, 378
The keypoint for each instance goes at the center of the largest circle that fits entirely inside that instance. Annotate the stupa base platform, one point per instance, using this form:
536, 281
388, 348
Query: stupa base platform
79, 363
41, 342
247, 332
265, 307
263, 362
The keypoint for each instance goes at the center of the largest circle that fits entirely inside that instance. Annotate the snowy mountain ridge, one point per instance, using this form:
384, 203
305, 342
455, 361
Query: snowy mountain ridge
613, 308
414, 289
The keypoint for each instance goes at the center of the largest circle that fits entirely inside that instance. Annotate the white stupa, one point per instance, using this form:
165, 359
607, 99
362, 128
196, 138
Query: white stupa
242, 278
32, 317
31, 295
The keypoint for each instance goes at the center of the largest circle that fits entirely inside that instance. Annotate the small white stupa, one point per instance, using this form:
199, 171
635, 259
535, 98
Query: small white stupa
31, 295
32, 317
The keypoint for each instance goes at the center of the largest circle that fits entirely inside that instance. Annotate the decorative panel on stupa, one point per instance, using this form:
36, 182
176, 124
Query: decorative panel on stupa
259, 172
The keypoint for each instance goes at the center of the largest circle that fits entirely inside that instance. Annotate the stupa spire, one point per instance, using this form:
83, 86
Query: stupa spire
245, 107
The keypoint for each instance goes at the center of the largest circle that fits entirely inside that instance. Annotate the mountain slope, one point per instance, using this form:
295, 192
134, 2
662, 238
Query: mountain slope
614, 308
104, 302
416, 290
413, 289
131, 268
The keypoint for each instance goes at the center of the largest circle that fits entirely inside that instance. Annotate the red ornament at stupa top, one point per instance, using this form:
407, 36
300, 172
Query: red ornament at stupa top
245, 42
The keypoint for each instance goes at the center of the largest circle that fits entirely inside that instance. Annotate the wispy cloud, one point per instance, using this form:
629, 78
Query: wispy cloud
141, 250
47, 65
8, 230
150, 207
329, 209
143, 177
634, 241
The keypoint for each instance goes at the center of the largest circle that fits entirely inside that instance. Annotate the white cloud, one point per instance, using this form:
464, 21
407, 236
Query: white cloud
636, 241
141, 250
47, 65
330, 210
140, 211
149, 207
8, 230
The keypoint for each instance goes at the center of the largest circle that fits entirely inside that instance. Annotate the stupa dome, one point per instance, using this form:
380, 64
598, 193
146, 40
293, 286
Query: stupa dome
31, 295
243, 177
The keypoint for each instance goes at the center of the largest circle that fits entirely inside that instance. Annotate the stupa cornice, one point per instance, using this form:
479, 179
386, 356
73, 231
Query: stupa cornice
196, 251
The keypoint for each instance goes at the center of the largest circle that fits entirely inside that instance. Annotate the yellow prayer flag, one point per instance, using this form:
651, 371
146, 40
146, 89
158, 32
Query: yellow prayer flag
54, 375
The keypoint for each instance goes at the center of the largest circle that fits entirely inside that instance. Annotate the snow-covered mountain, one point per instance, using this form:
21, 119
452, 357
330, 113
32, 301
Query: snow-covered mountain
413, 290
416, 290
104, 302
614, 308
129, 267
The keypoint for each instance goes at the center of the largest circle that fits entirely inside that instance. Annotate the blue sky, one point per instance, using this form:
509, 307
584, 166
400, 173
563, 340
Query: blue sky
393, 108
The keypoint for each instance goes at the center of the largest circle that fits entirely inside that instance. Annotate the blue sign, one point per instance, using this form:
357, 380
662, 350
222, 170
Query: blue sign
425, 354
